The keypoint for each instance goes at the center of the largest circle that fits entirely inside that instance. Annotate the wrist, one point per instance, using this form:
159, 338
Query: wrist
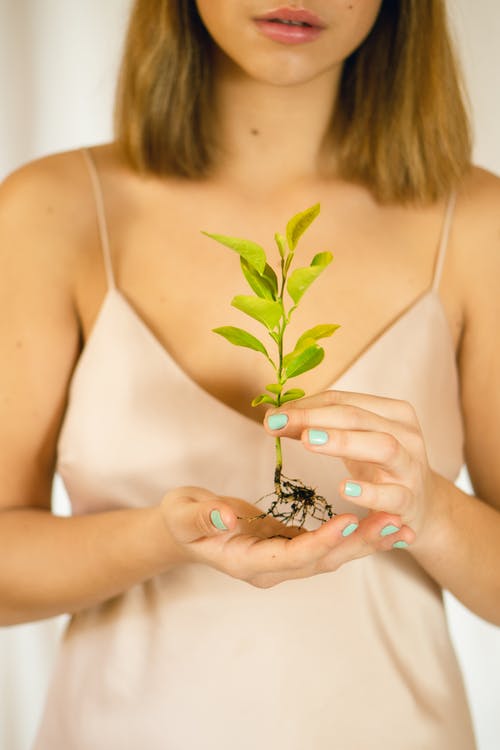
432, 537
167, 552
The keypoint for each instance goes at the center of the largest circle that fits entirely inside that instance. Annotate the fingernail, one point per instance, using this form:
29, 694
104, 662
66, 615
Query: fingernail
400, 545
217, 521
352, 489
350, 529
317, 437
277, 421
390, 529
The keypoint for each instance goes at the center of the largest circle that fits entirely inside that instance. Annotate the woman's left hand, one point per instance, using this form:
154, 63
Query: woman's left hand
380, 442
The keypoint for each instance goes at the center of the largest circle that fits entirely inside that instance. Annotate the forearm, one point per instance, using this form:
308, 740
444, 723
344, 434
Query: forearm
52, 565
461, 549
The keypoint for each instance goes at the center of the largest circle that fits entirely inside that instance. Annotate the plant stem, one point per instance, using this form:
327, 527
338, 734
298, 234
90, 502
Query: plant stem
279, 454
278, 467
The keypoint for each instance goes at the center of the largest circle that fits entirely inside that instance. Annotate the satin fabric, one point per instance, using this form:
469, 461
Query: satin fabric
359, 659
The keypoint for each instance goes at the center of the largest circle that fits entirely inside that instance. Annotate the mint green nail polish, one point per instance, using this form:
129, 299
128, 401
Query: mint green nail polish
350, 529
217, 521
318, 437
400, 545
352, 489
277, 421
389, 529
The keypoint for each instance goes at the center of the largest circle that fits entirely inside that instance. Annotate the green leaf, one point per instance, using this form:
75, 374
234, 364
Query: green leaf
272, 279
288, 262
299, 223
292, 395
318, 332
297, 363
303, 343
264, 399
281, 243
254, 254
322, 259
239, 337
260, 285
274, 388
265, 311
302, 278
308, 341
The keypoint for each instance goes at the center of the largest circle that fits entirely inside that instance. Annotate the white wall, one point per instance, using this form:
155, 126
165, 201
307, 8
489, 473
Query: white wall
58, 61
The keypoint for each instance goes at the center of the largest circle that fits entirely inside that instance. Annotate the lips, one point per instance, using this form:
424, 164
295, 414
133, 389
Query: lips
290, 26
292, 17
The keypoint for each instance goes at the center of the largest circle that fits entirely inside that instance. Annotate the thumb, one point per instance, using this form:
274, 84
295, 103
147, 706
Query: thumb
190, 519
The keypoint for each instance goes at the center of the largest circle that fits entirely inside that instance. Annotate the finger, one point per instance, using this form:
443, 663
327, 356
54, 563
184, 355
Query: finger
390, 408
378, 532
279, 555
393, 498
380, 448
189, 519
339, 416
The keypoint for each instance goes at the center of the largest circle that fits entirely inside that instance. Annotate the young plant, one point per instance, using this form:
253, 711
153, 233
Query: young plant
293, 501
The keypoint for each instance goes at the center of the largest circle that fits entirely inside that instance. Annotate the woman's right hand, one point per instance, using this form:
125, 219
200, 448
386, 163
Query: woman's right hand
265, 552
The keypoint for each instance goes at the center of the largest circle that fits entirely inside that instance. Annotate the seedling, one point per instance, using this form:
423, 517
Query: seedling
292, 500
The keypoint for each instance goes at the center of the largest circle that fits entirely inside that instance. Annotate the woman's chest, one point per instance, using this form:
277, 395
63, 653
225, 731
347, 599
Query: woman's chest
181, 283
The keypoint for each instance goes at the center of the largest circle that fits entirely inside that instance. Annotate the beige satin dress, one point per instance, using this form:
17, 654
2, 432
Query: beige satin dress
359, 659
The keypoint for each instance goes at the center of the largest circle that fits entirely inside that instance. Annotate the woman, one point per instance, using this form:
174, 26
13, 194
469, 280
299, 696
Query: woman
231, 117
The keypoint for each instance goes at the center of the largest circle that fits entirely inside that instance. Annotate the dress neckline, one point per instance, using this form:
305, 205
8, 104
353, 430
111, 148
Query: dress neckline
114, 295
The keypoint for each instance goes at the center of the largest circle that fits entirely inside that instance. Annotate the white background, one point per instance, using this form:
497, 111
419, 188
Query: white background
58, 63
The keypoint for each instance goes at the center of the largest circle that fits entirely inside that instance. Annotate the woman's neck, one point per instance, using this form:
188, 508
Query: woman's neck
272, 135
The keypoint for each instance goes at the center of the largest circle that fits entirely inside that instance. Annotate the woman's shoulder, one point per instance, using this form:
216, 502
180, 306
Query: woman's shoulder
45, 193
478, 214
476, 240
51, 172
47, 210
57, 180
479, 198
62, 176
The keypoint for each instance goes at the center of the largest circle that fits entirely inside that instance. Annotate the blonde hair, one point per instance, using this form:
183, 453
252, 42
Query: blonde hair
400, 125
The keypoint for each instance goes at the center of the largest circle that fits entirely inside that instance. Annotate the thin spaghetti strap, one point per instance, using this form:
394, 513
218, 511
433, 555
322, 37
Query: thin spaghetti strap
443, 243
101, 217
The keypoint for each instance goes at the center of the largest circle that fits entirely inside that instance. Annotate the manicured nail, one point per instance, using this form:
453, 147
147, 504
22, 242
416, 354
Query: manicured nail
277, 421
400, 545
390, 529
317, 437
352, 489
217, 521
350, 529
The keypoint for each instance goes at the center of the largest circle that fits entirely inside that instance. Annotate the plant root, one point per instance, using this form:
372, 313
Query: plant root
294, 503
